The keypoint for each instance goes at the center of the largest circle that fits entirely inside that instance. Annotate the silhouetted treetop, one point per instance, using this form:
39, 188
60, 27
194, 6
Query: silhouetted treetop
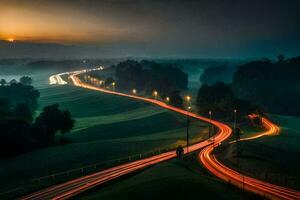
18, 93
26, 80
148, 76
274, 86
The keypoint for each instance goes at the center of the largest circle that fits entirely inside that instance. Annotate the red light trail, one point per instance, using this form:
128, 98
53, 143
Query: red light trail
76, 186
245, 182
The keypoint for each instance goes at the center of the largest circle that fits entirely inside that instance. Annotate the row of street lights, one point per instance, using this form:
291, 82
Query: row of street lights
167, 99
188, 109
99, 82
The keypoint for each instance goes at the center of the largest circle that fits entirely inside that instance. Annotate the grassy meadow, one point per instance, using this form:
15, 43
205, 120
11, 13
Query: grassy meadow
107, 128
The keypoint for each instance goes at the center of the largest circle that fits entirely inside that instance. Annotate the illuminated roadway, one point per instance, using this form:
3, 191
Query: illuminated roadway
245, 182
76, 186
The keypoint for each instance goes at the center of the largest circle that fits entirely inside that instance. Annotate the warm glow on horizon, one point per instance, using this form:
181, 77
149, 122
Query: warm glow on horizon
58, 25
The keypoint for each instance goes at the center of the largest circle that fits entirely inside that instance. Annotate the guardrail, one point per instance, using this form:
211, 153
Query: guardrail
23, 187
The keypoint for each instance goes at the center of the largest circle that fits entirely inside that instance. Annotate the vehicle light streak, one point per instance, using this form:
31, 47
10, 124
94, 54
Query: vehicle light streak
76, 186
73, 187
56, 79
271, 129
253, 185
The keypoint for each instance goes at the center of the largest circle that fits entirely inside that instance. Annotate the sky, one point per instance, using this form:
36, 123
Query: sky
149, 28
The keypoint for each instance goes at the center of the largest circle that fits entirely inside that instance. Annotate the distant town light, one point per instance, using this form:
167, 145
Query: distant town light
134, 91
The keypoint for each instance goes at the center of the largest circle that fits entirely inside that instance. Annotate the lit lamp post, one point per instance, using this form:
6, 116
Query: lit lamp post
167, 99
237, 135
134, 91
234, 123
155, 93
188, 108
113, 85
209, 133
187, 128
188, 100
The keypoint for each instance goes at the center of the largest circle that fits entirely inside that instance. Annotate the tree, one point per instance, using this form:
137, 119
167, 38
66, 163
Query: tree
52, 120
176, 99
23, 112
4, 108
2, 82
109, 80
272, 86
18, 134
148, 76
214, 74
13, 81
18, 93
220, 99
26, 80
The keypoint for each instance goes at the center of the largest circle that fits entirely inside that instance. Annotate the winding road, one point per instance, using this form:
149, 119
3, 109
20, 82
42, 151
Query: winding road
245, 182
76, 186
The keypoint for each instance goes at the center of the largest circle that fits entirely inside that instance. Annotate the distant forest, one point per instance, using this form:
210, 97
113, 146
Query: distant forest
272, 85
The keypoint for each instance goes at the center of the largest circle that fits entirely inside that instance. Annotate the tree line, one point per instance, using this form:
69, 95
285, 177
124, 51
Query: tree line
273, 86
148, 76
21, 131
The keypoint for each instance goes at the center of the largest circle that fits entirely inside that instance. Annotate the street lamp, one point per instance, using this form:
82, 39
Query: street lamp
187, 127
237, 135
209, 133
168, 99
155, 93
234, 123
134, 91
187, 101
188, 98
113, 85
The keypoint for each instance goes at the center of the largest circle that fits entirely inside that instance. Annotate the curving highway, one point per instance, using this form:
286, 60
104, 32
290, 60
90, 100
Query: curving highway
76, 186
245, 182
271, 129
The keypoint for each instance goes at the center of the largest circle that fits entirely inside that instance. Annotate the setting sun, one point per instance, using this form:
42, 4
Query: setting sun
11, 39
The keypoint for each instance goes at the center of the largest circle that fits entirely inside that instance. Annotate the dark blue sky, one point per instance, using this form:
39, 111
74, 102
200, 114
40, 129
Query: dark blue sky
154, 28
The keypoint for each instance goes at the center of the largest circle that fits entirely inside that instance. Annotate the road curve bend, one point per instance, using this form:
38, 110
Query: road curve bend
245, 182
79, 185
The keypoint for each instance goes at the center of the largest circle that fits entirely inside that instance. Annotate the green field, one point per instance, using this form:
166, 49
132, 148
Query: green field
107, 128
271, 158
